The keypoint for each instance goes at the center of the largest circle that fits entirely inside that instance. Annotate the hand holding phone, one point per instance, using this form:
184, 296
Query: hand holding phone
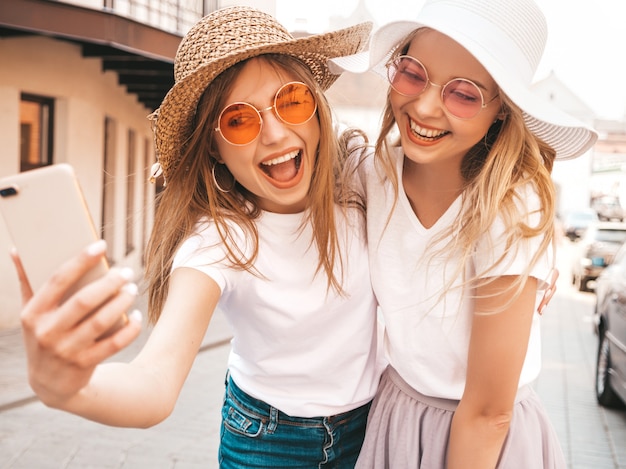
62, 347
49, 223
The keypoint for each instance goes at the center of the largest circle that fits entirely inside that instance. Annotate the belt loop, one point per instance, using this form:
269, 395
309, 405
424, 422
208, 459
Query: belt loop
273, 423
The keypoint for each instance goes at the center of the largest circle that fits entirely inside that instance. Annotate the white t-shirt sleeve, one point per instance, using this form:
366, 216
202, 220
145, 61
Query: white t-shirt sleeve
203, 251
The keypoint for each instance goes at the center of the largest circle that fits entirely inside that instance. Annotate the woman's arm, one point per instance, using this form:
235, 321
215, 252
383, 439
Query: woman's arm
65, 359
497, 351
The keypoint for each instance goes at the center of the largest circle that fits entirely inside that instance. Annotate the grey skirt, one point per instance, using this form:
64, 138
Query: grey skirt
407, 430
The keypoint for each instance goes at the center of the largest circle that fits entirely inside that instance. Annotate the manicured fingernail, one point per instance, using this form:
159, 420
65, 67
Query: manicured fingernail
136, 316
131, 289
126, 273
541, 310
97, 248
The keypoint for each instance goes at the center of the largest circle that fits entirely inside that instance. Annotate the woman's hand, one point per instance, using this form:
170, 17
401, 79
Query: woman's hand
66, 340
549, 292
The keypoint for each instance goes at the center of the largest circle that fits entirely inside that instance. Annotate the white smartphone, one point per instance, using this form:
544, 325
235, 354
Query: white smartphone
48, 221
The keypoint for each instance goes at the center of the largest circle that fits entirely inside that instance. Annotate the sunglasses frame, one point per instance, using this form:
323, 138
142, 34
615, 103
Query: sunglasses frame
260, 111
392, 65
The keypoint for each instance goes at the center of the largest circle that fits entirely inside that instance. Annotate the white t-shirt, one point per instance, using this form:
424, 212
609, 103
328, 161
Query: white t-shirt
427, 335
296, 345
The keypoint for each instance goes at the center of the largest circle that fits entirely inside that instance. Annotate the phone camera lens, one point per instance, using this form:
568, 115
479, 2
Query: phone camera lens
8, 191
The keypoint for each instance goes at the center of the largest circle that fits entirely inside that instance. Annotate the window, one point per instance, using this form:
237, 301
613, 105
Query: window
108, 187
36, 131
130, 193
145, 194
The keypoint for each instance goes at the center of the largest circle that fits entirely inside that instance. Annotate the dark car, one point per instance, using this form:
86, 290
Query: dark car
610, 323
595, 251
576, 222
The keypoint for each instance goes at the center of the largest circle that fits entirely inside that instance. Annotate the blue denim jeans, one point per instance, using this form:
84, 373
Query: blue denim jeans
257, 435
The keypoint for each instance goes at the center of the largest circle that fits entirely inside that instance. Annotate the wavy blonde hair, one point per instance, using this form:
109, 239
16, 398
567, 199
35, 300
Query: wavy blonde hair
508, 158
191, 194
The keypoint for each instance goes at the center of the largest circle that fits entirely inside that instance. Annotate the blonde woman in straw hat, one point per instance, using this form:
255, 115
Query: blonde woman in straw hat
460, 217
254, 219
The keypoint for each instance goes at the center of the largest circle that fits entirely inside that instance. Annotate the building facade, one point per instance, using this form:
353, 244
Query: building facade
78, 80
77, 83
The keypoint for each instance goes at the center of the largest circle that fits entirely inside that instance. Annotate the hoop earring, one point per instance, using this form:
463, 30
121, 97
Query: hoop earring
219, 188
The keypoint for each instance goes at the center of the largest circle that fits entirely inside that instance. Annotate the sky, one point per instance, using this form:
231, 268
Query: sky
586, 46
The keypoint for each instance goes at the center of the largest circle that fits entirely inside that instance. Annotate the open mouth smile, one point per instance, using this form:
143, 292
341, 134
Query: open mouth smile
427, 135
283, 169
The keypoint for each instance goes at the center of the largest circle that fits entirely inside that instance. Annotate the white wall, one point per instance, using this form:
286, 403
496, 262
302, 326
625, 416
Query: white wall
84, 96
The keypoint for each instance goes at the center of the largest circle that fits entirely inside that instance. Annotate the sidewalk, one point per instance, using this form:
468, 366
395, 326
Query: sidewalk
14, 388
591, 436
33, 436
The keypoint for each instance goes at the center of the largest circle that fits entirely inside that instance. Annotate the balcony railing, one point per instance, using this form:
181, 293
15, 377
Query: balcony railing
174, 16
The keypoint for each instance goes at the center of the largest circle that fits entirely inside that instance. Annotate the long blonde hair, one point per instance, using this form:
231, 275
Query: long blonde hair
508, 157
191, 194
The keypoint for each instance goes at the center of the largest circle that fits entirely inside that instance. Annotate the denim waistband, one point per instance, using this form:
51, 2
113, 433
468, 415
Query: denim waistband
262, 409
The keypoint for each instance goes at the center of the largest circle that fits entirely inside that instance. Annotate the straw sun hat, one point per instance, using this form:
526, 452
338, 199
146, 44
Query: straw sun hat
508, 38
222, 39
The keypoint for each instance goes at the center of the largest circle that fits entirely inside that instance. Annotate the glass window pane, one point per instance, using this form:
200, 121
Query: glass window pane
36, 130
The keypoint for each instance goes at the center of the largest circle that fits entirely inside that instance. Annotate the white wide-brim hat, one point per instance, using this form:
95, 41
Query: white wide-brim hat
508, 38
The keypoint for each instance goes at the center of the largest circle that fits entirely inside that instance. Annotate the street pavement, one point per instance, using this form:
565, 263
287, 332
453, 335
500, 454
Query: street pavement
33, 436
591, 436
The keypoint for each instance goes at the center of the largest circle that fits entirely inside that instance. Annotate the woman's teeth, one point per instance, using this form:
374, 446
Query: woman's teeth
283, 168
426, 133
281, 159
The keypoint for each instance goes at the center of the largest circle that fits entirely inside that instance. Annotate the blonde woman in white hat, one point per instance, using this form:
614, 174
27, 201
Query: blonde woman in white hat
254, 220
460, 217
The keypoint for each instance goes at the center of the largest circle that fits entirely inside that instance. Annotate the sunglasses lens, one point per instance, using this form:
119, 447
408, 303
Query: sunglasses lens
462, 98
240, 123
295, 103
407, 76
